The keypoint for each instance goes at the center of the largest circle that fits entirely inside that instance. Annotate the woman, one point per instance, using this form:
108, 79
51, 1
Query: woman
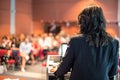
25, 50
93, 54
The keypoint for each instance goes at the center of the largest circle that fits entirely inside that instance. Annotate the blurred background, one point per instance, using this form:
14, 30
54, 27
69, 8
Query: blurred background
47, 24
31, 16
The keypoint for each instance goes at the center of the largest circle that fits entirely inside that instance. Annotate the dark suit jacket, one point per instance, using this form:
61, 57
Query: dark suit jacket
89, 62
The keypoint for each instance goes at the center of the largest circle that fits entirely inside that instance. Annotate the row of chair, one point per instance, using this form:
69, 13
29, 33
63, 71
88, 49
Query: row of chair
9, 59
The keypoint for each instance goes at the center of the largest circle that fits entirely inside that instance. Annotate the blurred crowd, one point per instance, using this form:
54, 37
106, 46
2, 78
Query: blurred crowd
31, 47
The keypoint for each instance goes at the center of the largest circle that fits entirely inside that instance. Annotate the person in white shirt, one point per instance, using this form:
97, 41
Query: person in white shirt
25, 49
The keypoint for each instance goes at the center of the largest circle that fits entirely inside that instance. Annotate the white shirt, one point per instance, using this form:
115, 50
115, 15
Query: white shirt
25, 47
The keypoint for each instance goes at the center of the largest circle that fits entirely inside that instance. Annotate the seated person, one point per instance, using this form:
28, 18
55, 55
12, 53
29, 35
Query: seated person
25, 49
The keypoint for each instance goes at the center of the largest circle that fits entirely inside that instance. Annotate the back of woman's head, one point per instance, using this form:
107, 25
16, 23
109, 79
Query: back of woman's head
92, 23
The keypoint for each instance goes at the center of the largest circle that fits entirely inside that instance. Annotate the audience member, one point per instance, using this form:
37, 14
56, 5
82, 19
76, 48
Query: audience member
25, 49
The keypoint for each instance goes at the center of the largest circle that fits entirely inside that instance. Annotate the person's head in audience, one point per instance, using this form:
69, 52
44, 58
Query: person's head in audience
27, 39
4, 38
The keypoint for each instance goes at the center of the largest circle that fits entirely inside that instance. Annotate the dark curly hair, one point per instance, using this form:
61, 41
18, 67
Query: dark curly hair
92, 23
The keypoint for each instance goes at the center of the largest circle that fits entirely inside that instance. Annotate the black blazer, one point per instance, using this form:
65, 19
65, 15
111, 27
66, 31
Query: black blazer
89, 62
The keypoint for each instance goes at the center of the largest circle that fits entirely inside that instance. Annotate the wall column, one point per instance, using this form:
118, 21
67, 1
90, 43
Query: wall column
12, 16
119, 11
119, 17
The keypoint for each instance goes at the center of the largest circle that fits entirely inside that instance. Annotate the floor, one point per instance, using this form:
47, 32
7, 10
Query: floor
33, 72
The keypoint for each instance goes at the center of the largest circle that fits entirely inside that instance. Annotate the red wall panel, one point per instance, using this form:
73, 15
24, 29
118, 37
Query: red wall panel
23, 16
4, 17
62, 10
69, 9
30, 13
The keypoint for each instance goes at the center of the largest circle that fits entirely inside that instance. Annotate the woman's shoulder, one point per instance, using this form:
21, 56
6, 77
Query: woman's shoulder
78, 36
115, 42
